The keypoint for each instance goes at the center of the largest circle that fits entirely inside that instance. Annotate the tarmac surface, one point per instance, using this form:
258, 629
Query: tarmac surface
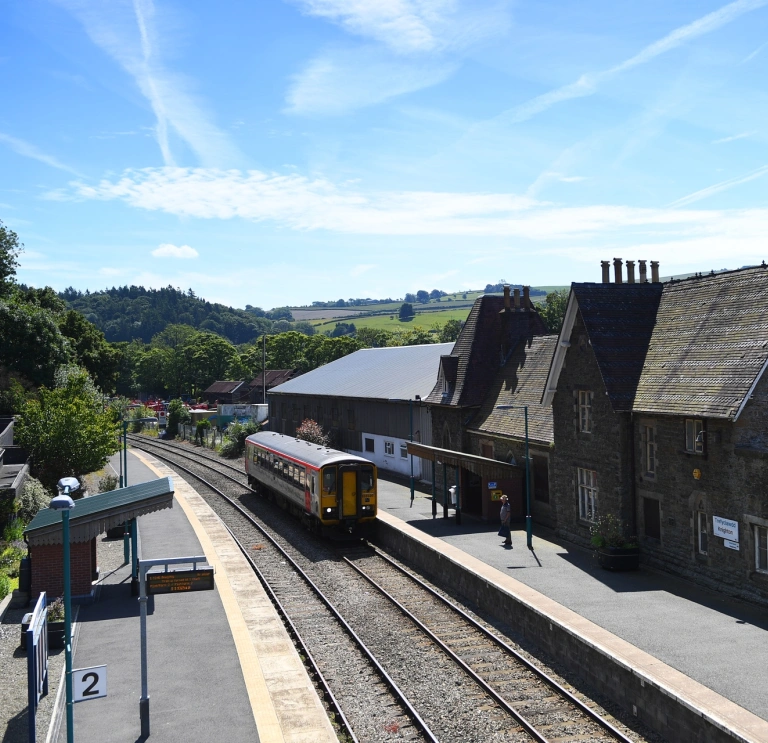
720, 642
196, 687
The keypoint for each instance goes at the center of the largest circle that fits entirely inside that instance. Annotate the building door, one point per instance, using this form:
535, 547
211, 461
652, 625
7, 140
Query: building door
471, 492
652, 518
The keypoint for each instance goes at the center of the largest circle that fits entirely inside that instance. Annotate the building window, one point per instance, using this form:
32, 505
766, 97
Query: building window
694, 436
585, 411
389, 448
404, 451
369, 445
650, 451
587, 494
652, 518
761, 548
701, 531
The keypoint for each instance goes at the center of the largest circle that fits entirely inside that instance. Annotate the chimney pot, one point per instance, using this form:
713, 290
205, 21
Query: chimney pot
517, 299
643, 272
506, 296
606, 267
655, 272
617, 270
630, 272
527, 297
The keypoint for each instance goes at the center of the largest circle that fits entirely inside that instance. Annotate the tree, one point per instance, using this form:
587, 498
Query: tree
373, 337
410, 298
436, 294
97, 356
177, 415
312, 431
280, 313
210, 358
449, 333
406, 312
422, 296
67, 430
10, 247
553, 311
343, 328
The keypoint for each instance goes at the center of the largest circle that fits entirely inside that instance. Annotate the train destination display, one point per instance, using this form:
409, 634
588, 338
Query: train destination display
179, 581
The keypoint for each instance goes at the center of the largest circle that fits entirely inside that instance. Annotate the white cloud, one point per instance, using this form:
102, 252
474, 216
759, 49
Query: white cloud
111, 271
342, 80
25, 149
743, 135
168, 250
589, 83
125, 29
362, 268
719, 187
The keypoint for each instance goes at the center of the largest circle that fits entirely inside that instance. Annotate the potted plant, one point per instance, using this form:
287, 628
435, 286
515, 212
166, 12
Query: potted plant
56, 624
614, 549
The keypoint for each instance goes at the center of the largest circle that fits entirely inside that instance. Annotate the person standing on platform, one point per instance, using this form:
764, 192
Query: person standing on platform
505, 514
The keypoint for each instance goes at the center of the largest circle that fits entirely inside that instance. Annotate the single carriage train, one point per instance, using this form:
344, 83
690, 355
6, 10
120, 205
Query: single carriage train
334, 492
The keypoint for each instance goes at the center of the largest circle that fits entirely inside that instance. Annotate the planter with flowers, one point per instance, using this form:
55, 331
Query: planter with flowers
614, 549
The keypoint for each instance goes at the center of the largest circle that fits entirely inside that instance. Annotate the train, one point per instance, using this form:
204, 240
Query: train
333, 492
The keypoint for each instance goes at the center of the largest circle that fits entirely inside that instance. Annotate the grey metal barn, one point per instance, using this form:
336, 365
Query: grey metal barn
370, 402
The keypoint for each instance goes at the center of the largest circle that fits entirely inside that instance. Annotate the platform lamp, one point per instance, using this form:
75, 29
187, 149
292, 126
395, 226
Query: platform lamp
64, 503
126, 423
528, 519
410, 433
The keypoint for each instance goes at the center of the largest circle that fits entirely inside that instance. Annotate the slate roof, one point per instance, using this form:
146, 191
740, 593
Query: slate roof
619, 319
709, 345
274, 377
400, 372
487, 336
223, 388
521, 382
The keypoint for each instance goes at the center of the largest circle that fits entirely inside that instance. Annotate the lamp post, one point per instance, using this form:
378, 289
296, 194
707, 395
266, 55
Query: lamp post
528, 519
410, 434
126, 423
64, 503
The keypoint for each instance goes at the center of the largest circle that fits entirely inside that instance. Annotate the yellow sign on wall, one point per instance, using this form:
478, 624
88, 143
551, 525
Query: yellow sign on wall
495, 494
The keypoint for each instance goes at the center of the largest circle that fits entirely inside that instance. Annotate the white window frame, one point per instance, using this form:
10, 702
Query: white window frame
585, 411
694, 435
403, 450
760, 534
702, 530
389, 448
587, 480
650, 451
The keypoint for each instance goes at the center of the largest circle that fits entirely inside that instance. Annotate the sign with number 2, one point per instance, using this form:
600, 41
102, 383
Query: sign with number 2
89, 683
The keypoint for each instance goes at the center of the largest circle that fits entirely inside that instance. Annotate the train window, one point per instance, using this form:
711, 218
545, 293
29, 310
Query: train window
311, 483
329, 480
301, 476
366, 478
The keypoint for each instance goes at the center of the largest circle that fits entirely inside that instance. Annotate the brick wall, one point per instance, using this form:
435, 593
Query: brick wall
48, 573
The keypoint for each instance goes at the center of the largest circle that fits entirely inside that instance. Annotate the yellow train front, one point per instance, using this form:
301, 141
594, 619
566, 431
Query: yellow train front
334, 492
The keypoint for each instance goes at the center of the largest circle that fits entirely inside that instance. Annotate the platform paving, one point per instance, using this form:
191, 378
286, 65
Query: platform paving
196, 686
720, 642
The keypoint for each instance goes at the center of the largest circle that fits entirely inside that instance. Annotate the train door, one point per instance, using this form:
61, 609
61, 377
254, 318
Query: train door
350, 494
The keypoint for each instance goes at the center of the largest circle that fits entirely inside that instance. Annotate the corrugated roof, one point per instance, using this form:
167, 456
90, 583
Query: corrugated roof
274, 377
223, 388
521, 382
93, 516
373, 373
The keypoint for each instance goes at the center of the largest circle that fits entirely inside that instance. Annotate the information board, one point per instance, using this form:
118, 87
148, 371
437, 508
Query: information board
725, 528
180, 581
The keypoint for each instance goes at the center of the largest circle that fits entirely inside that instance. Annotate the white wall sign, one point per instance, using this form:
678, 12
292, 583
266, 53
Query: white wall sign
89, 683
731, 545
725, 528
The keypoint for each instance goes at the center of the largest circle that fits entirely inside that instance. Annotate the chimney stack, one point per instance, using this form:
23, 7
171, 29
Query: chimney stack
527, 297
617, 270
630, 272
506, 296
606, 266
643, 272
517, 299
655, 272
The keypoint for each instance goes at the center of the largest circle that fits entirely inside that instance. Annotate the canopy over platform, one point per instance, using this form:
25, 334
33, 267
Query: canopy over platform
490, 469
95, 515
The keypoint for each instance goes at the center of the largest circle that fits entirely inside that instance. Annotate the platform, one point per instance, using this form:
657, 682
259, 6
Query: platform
711, 650
221, 666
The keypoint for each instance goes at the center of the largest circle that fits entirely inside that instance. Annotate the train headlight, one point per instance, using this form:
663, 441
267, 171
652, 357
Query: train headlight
329, 511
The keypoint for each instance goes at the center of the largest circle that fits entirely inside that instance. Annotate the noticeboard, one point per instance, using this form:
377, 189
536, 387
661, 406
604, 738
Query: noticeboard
180, 581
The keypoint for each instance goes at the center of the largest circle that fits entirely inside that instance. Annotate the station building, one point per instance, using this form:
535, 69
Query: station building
660, 416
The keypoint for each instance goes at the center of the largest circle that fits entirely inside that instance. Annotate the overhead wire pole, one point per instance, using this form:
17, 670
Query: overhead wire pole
528, 517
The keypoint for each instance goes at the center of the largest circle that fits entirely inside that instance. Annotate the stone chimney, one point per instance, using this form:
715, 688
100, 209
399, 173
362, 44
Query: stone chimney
655, 272
517, 299
630, 272
527, 297
606, 267
506, 296
643, 272
617, 270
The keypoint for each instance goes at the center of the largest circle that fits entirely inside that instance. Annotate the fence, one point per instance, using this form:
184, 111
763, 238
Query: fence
211, 437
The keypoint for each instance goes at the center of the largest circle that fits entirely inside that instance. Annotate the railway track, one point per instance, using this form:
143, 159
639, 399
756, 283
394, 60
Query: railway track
394, 657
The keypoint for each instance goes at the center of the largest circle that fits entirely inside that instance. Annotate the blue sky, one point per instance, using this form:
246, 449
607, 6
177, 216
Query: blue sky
273, 153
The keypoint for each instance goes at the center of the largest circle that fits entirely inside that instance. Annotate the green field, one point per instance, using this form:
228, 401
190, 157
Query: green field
390, 321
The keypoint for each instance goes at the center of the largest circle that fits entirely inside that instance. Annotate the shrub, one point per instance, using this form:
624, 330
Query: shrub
56, 611
5, 585
14, 531
177, 415
200, 429
107, 483
10, 560
610, 531
33, 497
234, 441
310, 430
